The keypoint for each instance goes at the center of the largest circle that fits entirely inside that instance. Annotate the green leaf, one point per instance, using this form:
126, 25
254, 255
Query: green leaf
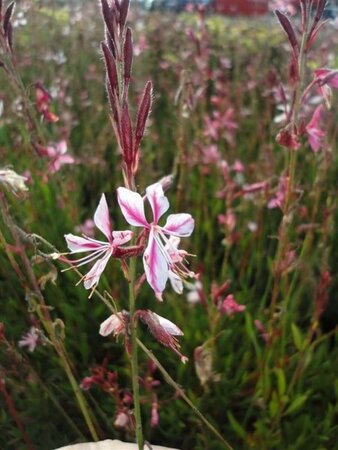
297, 337
273, 405
281, 381
236, 426
297, 404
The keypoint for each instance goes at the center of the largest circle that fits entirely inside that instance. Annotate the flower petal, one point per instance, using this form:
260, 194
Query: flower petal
176, 282
169, 327
155, 265
179, 225
121, 237
132, 207
110, 325
77, 244
93, 276
158, 201
102, 218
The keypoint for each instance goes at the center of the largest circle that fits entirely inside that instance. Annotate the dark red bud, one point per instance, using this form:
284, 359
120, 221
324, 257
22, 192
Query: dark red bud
109, 17
288, 139
143, 112
110, 67
111, 101
110, 43
293, 70
287, 27
126, 135
10, 36
127, 56
124, 8
7, 16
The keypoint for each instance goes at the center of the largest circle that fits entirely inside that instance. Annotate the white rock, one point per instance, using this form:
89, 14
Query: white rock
108, 444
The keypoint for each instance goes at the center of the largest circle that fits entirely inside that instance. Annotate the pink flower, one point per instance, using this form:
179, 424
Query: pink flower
328, 77
161, 258
57, 155
30, 339
121, 420
278, 200
99, 250
314, 133
43, 100
230, 306
155, 418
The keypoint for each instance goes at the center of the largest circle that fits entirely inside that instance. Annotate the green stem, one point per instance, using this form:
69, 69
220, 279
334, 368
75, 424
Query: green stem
178, 389
134, 355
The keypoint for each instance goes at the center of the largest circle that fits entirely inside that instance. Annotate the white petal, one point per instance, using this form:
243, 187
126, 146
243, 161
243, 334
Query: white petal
132, 207
93, 276
179, 225
176, 282
102, 218
77, 244
169, 327
158, 201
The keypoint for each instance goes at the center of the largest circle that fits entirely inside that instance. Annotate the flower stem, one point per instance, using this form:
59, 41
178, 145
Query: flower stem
134, 355
181, 393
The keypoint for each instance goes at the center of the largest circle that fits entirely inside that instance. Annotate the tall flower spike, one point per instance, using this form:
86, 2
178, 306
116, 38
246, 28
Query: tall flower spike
158, 258
99, 250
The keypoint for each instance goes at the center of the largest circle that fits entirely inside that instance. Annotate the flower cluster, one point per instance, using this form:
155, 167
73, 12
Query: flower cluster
162, 259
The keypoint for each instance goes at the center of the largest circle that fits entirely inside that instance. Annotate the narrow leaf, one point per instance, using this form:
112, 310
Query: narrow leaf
297, 404
287, 27
237, 427
297, 337
281, 382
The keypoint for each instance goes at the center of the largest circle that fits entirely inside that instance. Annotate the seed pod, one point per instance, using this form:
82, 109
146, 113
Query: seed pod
110, 67
127, 56
287, 27
7, 17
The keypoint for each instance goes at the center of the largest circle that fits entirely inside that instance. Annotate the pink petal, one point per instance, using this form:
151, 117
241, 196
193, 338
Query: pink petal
132, 207
158, 201
93, 276
110, 325
77, 244
169, 327
316, 117
179, 225
61, 147
102, 218
155, 265
50, 151
121, 237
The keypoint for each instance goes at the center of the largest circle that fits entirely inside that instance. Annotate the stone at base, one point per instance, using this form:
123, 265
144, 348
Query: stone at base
108, 444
